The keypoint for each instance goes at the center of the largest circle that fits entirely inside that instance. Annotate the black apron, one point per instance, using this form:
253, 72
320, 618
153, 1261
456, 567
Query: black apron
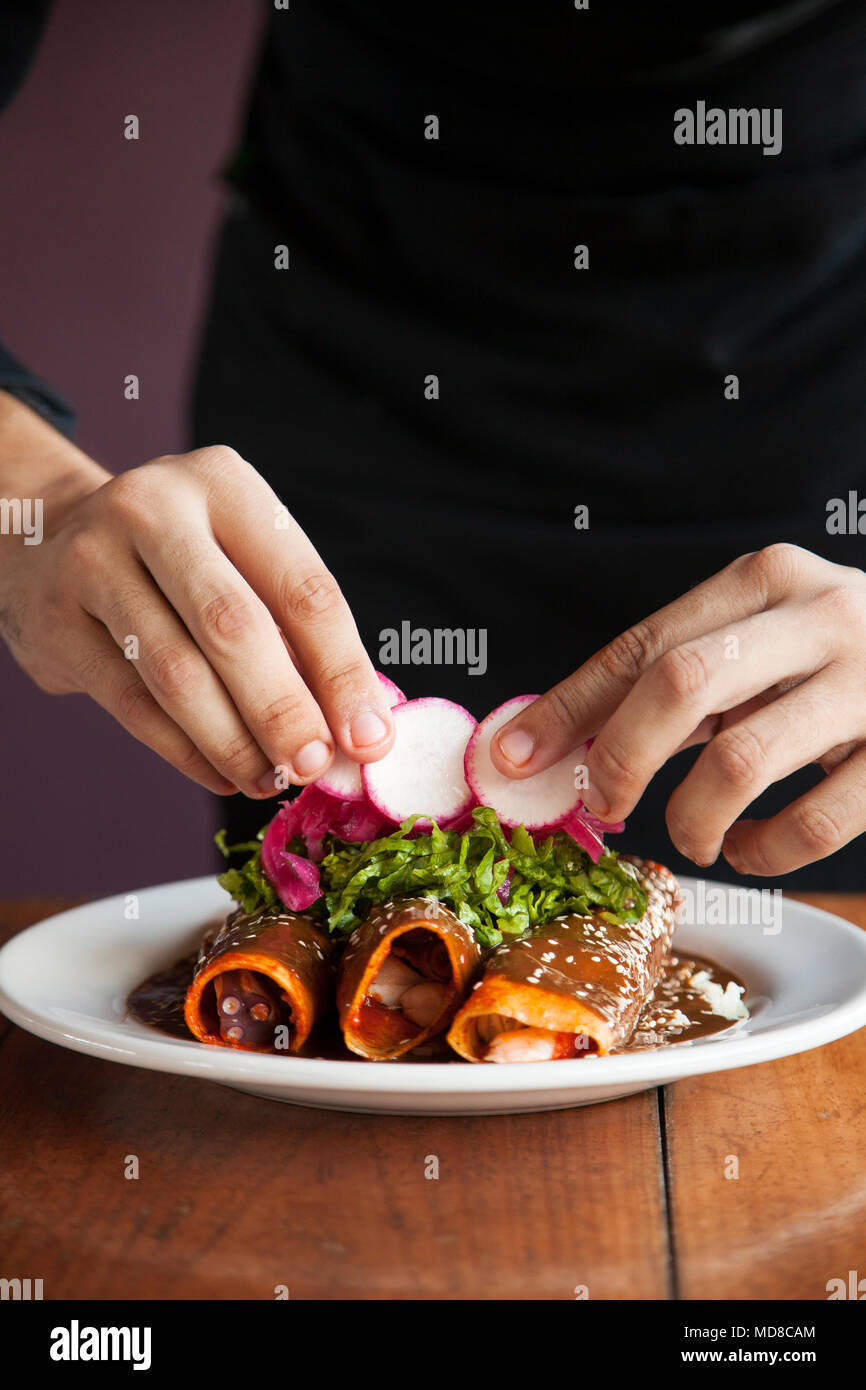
557, 387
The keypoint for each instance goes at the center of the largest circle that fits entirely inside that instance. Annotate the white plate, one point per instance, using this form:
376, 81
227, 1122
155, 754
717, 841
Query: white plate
67, 978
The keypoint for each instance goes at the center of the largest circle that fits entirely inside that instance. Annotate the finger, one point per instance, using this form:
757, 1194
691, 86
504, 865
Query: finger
812, 827
107, 677
704, 676
837, 754
576, 708
285, 569
702, 733
176, 673
746, 757
237, 635
711, 725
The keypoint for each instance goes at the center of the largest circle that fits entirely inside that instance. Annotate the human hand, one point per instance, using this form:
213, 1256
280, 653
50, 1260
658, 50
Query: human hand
187, 602
765, 663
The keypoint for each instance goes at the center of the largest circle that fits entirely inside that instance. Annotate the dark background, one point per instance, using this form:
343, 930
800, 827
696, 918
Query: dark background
105, 245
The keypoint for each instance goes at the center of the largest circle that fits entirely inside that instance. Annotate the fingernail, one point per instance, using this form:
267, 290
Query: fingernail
368, 728
312, 758
267, 785
517, 746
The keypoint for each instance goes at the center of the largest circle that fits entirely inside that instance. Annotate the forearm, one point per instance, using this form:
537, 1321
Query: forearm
39, 463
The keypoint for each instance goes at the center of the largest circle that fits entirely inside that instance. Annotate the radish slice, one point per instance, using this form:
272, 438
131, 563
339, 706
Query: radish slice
423, 773
397, 696
343, 778
547, 799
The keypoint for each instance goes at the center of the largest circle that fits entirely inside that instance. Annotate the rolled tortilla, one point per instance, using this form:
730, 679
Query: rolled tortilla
262, 983
574, 987
404, 973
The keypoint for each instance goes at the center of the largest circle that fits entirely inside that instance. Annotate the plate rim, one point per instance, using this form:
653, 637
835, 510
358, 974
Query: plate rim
723, 1052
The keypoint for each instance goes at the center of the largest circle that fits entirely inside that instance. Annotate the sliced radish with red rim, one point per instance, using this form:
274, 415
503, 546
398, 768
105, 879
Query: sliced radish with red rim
423, 773
397, 696
546, 799
343, 777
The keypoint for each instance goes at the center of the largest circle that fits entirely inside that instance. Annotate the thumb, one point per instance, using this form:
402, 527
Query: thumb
553, 726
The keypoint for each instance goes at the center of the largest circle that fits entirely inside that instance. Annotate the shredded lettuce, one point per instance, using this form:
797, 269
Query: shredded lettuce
498, 883
248, 885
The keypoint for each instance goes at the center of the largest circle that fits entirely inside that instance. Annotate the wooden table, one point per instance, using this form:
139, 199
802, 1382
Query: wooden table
238, 1195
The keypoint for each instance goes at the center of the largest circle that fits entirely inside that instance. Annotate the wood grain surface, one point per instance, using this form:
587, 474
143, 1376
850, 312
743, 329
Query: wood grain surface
237, 1196
795, 1217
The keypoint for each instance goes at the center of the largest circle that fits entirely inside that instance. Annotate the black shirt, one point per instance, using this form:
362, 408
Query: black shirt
454, 255
557, 387
412, 258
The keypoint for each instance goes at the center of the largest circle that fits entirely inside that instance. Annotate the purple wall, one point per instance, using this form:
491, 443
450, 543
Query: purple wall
104, 254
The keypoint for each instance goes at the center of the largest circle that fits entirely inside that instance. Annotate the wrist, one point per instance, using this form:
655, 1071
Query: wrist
42, 474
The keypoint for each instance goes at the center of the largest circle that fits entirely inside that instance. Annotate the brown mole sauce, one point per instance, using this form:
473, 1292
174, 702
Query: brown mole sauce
158, 1001
658, 1024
